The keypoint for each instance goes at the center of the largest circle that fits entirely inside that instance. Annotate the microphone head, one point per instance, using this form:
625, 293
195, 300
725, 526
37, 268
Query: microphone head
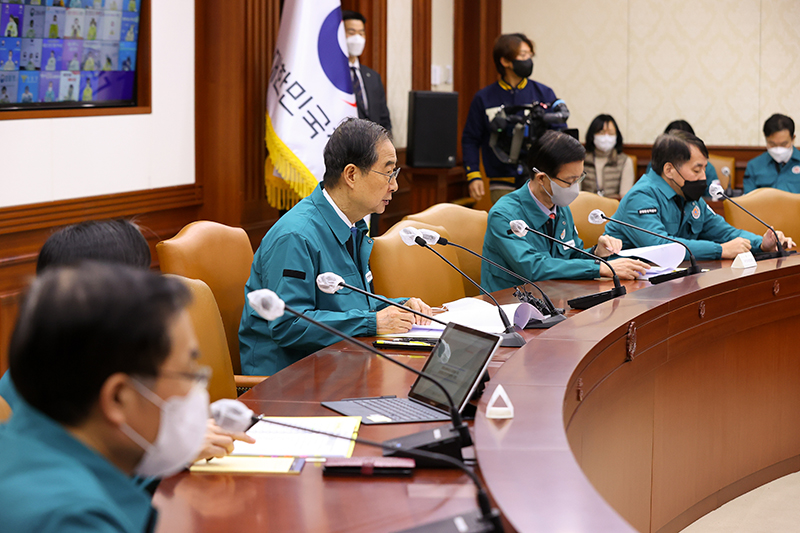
231, 415
726, 172
716, 191
329, 283
519, 227
597, 216
266, 303
409, 236
429, 236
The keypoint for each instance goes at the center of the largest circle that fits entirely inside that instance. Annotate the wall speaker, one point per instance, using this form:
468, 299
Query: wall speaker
432, 129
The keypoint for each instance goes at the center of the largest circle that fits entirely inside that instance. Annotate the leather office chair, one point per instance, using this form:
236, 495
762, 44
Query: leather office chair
719, 162
778, 208
582, 206
466, 227
5, 410
400, 270
210, 333
219, 255
635, 163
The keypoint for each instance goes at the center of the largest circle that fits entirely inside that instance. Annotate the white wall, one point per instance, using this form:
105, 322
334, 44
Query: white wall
723, 65
442, 41
55, 159
398, 67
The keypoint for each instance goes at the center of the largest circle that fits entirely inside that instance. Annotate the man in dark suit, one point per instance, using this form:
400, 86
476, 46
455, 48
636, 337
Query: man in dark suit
367, 84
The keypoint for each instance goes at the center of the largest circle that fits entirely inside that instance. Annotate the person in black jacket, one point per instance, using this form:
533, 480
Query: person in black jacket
367, 84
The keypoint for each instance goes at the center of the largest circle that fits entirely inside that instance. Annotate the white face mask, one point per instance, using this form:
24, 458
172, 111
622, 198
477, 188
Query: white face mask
355, 45
780, 154
605, 143
180, 432
563, 196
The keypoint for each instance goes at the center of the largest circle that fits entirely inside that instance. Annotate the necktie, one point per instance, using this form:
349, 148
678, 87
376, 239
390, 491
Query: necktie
549, 225
357, 90
354, 237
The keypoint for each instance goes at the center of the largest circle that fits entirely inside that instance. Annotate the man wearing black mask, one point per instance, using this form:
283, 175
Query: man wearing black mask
668, 200
513, 58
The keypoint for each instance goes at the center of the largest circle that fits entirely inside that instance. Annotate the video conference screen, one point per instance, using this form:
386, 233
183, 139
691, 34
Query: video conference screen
68, 53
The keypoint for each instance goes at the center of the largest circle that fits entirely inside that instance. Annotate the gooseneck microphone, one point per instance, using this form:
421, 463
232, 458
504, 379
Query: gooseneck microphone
269, 307
544, 305
330, 283
597, 217
716, 192
729, 189
511, 337
521, 229
233, 415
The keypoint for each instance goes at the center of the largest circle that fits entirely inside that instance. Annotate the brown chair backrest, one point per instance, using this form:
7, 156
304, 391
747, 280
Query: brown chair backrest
5, 410
635, 163
719, 162
780, 209
210, 334
582, 206
400, 270
219, 255
466, 227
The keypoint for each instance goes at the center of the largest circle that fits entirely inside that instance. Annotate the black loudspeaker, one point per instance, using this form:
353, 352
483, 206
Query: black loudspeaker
432, 129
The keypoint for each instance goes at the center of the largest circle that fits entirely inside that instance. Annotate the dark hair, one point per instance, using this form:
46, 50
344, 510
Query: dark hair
353, 15
598, 124
680, 125
79, 325
674, 147
507, 46
554, 150
354, 141
778, 122
111, 241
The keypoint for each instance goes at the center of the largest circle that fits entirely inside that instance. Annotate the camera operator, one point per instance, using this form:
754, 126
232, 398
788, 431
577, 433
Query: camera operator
513, 57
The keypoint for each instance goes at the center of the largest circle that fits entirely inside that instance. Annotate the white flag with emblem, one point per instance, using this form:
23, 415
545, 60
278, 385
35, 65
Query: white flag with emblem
308, 95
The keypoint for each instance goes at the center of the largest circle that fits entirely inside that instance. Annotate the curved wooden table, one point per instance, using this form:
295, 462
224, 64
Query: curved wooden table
703, 412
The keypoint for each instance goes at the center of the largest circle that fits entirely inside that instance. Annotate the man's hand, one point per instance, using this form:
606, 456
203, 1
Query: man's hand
394, 320
418, 305
626, 268
476, 189
218, 442
737, 246
607, 245
770, 245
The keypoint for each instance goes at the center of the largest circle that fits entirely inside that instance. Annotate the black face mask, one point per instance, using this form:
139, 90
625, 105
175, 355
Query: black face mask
692, 190
523, 67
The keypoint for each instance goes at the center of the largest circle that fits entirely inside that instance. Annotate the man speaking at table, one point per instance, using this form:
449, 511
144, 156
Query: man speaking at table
326, 233
668, 200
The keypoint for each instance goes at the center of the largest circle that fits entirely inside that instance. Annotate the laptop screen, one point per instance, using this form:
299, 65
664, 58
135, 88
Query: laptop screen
457, 361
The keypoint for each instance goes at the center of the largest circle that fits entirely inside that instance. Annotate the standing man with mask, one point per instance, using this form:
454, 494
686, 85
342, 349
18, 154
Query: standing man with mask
557, 172
779, 167
513, 58
103, 357
367, 84
668, 200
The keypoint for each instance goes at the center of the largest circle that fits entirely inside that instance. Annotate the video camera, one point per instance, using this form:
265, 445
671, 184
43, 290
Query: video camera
515, 128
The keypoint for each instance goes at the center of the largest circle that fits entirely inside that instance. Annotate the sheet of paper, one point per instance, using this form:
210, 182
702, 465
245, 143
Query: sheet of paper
279, 441
666, 257
242, 464
483, 316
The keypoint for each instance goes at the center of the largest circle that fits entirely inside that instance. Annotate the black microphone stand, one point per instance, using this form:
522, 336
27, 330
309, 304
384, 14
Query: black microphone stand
761, 255
389, 302
511, 337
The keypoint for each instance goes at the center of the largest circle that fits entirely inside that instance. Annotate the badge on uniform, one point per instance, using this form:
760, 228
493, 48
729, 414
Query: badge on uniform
368, 277
563, 234
649, 211
796, 169
696, 212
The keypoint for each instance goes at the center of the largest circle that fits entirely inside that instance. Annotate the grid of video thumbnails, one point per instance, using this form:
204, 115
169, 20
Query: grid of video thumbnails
66, 53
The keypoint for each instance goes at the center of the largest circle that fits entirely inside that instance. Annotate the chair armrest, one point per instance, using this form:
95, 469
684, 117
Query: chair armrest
248, 382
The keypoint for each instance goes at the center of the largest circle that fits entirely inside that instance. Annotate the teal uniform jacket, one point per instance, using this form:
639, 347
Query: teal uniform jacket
653, 205
51, 482
763, 171
8, 391
307, 241
532, 256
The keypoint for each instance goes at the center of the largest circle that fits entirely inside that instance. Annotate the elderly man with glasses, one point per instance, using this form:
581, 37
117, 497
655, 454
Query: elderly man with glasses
326, 233
556, 164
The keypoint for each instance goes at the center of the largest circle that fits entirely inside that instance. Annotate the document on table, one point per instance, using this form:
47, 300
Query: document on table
242, 464
665, 257
280, 441
477, 314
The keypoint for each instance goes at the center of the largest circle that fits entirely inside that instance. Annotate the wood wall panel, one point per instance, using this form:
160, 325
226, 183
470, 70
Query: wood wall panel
421, 14
374, 55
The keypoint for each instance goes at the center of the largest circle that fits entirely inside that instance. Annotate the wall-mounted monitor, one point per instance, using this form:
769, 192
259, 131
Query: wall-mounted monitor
67, 54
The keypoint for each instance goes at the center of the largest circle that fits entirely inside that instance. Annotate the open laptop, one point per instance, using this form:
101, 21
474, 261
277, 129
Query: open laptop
458, 361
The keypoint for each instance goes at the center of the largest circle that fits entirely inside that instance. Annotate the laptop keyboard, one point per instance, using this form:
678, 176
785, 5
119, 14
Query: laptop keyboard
400, 409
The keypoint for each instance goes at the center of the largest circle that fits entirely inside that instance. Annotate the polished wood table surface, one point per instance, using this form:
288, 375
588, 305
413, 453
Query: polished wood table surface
591, 447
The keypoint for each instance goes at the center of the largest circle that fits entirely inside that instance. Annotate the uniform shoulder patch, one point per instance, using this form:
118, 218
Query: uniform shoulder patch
648, 211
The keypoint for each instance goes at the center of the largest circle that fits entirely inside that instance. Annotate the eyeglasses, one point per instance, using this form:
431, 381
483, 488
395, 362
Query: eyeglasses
570, 183
392, 175
201, 376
